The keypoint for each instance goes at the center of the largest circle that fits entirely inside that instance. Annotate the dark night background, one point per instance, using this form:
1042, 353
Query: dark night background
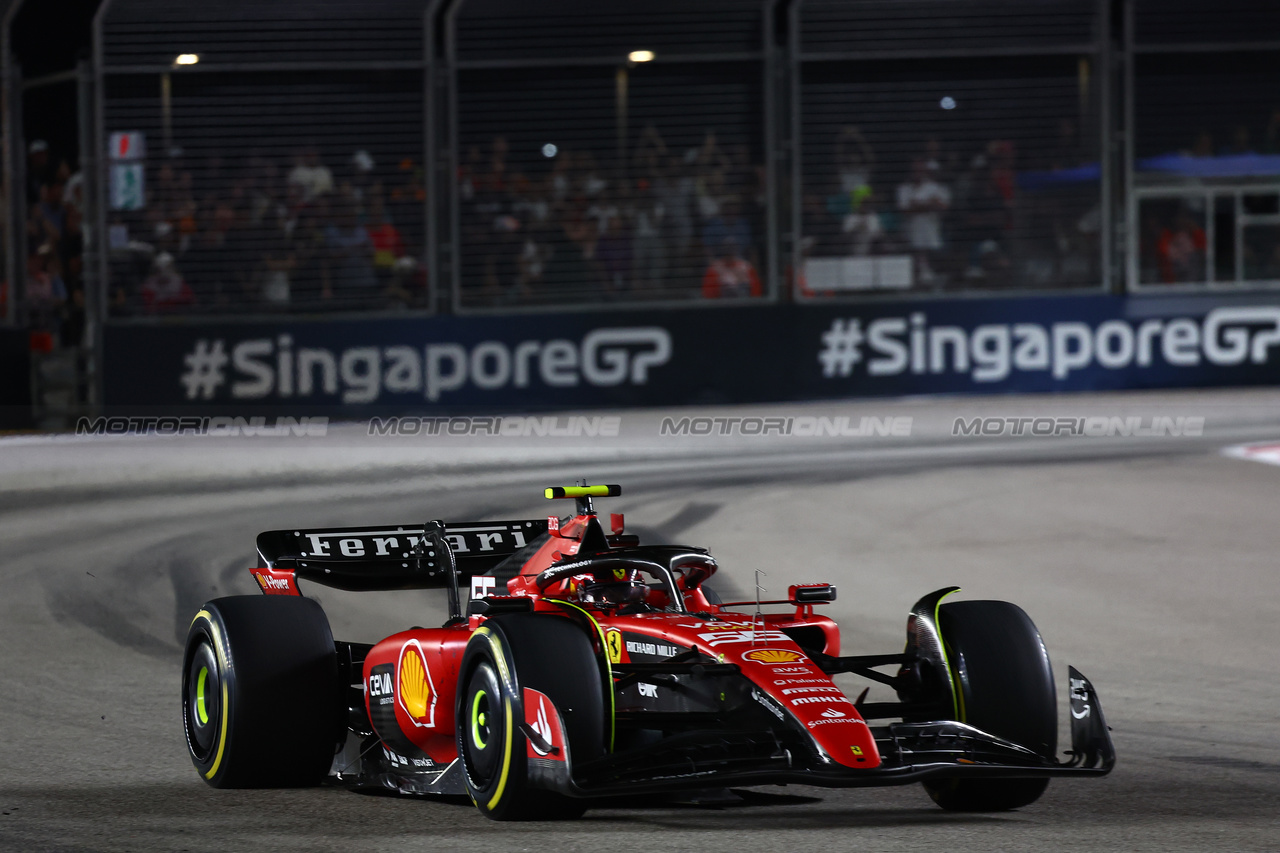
48, 38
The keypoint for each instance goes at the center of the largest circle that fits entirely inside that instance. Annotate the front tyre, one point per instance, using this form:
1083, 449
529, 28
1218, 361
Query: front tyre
1005, 685
261, 698
549, 654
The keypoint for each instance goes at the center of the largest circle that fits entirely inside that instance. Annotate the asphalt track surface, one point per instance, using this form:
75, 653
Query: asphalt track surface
1150, 564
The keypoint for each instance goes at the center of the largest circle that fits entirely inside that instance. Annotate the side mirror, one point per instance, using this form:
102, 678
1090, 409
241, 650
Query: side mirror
812, 593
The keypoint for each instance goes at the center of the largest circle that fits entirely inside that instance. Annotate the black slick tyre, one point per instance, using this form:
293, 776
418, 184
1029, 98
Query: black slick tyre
507, 654
1005, 682
261, 699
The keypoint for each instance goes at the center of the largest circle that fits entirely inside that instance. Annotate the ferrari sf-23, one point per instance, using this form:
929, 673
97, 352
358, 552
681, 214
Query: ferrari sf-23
576, 663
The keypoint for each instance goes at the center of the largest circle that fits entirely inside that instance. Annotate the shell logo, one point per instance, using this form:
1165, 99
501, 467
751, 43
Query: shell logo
414, 687
773, 656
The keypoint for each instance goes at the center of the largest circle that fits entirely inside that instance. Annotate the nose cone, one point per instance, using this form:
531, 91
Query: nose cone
786, 676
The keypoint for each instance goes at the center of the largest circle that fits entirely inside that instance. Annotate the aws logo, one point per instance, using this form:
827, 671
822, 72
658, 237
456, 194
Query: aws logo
773, 656
414, 688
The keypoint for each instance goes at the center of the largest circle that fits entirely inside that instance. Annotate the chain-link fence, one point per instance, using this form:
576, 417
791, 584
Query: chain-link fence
283, 158
1204, 206
948, 146
611, 153
263, 157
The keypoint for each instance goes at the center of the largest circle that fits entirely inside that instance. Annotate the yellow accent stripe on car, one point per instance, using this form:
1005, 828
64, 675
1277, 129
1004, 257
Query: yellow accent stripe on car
224, 710
582, 492
946, 662
604, 644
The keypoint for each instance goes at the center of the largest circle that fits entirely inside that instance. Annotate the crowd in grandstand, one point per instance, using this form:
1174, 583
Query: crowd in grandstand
265, 235
54, 248
960, 218
558, 226
653, 223
309, 235
1175, 232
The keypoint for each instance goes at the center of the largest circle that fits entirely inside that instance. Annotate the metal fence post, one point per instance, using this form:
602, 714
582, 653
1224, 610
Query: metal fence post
797, 145
1105, 157
10, 184
1131, 237
90, 164
451, 119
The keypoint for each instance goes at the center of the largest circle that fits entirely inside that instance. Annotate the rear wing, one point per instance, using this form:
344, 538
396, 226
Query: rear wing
389, 558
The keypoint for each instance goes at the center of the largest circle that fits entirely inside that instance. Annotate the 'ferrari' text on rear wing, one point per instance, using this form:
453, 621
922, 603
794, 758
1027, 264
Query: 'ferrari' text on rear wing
390, 557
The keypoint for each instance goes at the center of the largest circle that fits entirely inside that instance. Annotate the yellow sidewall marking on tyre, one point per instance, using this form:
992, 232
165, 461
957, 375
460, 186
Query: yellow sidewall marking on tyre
224, 710
499, 658
506, 758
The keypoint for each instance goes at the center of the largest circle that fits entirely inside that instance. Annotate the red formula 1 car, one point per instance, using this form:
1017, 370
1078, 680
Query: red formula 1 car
583, 664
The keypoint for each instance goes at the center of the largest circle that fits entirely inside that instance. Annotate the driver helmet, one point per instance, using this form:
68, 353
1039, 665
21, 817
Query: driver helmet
617, 585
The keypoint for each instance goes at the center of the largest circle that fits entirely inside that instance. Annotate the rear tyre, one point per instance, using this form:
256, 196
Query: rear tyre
549, 654
261, 698
1005, 682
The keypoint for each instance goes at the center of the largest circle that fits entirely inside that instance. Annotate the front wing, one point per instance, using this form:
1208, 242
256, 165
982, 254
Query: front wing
910, 752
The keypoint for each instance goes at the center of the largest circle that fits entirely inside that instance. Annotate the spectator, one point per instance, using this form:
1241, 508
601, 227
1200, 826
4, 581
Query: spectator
494, 180
863, 228
40, 231
310, 178
406, 200
1180, 251
591, 183
649, 250
388, 245
855, 161
613, 250
348, 273
730, 276
37, 170
165, 290
277, 266
676, 189
45, 293
363, 182
728, 225
923, 200
572, 270
213, 259
989, 213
